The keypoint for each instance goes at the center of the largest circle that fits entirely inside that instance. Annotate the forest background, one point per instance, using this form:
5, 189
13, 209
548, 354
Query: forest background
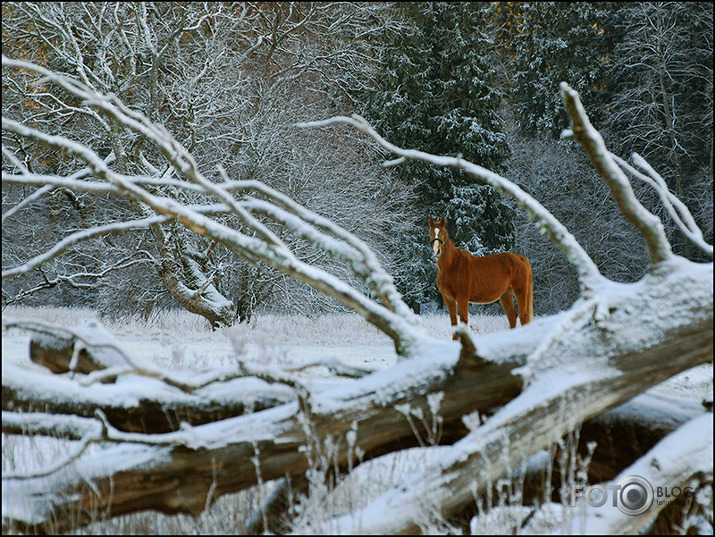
230, 81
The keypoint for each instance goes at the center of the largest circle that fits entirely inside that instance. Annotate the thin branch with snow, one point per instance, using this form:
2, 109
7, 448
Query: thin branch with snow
649, 225
677, 210
78, 237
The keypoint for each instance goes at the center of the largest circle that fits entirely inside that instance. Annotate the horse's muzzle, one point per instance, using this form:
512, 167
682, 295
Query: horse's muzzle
437, 250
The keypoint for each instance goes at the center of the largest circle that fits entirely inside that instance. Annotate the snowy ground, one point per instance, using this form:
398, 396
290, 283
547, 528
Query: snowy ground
181, 340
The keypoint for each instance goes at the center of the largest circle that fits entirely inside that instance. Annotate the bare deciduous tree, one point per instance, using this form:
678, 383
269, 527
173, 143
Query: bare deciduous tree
542, 382
223, 79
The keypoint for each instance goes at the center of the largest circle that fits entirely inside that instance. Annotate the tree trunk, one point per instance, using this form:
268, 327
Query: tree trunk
173, 472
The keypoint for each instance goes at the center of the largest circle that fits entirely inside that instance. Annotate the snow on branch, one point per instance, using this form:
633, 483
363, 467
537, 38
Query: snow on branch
50, 182
99, 231
676, 208
125, 404
393, 317
589, 276
78, 237
78, 279
647, 223
92, 435
43, 423
348, 247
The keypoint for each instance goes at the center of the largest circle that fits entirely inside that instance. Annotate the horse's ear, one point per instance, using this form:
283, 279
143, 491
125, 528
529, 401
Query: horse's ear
431, 221
442, 222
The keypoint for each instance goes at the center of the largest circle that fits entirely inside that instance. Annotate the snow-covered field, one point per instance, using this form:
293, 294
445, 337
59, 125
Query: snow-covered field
181, 340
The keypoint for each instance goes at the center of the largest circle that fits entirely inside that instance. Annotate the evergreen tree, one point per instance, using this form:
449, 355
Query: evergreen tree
439, 94
542, 44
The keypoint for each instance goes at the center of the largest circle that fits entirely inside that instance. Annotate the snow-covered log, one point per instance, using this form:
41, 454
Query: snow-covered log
380, 410
681, 461
576, 379
81, 349
620, 436
138, 403
541, 382
384, 410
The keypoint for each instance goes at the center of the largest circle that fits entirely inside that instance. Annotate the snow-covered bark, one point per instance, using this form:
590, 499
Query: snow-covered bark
548, 377
682, 459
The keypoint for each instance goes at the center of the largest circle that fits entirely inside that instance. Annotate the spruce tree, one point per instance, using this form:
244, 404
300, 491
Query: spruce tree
438, 93
542, 44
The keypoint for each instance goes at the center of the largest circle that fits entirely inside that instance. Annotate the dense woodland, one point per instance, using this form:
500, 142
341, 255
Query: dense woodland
230, 82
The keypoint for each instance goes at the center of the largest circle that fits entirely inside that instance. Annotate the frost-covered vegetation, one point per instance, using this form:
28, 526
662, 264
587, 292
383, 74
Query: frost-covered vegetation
476, 79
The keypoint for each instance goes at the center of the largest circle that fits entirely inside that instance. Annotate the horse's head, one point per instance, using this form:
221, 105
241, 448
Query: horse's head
438, 237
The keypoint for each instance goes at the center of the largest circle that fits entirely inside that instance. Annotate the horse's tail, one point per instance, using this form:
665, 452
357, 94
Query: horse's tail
529, 292
530, 298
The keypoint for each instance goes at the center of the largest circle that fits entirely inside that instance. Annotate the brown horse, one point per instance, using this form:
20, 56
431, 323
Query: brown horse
463, 278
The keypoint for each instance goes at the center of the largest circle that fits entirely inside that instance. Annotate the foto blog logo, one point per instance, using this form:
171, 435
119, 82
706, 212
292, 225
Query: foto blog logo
632, 495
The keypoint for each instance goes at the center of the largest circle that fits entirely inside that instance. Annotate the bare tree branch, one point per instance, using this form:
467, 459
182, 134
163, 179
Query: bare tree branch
676, 208
80, 236
648, 224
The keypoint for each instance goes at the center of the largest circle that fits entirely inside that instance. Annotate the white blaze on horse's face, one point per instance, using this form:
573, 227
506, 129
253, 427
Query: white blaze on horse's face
436, 241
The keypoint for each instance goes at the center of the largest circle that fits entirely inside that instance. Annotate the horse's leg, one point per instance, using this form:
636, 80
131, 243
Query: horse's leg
522, 299
524, 293
452, 307
507, 303
463, 305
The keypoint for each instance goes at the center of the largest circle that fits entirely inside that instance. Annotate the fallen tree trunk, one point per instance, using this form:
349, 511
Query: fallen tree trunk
621, 435
539, 416
173, 472
146, 406
80, 349
179, 468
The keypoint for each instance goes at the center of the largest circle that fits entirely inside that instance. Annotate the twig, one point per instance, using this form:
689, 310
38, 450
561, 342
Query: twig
334, 365
90, 438
78, 237
301, 391
41, 423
